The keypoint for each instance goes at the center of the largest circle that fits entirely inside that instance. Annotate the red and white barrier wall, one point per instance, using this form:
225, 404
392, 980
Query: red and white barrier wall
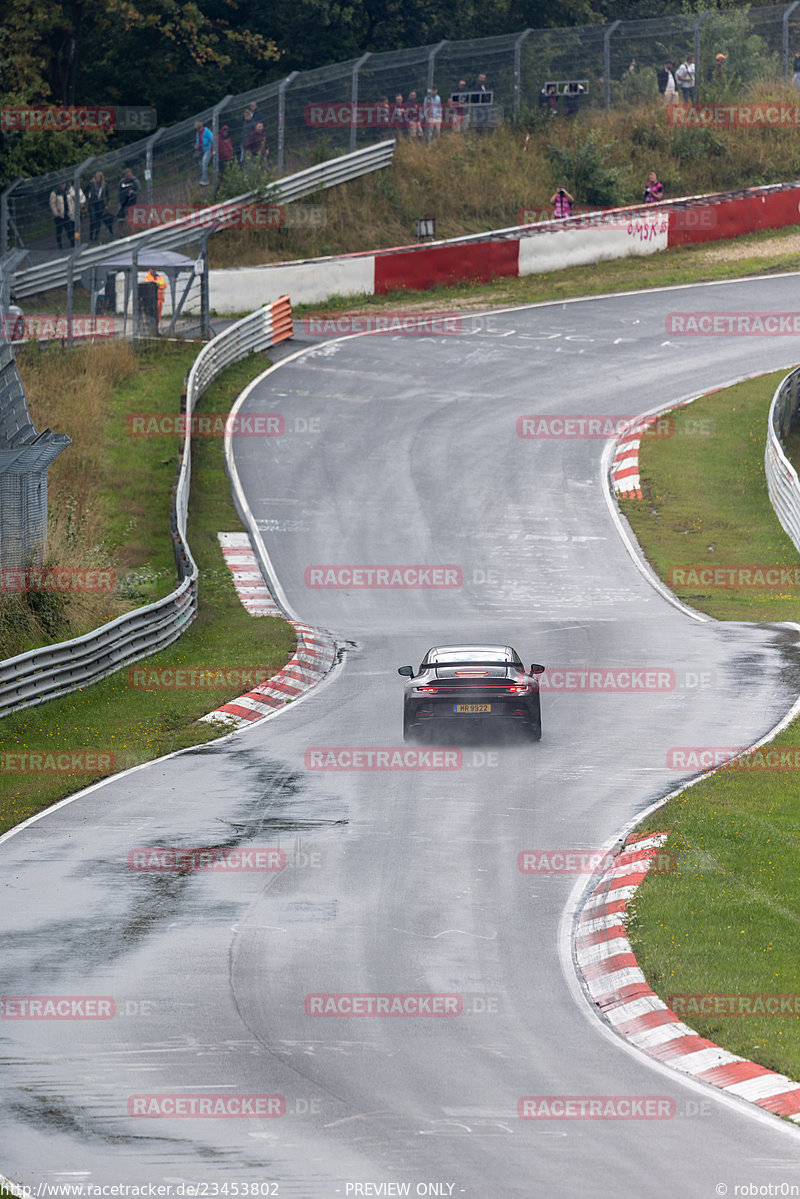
523, 250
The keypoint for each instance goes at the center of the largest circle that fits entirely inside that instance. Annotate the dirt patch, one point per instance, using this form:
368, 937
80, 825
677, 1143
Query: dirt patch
772, 247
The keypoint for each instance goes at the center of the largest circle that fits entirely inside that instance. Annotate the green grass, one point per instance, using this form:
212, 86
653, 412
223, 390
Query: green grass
725, 921
112, 717
706, 503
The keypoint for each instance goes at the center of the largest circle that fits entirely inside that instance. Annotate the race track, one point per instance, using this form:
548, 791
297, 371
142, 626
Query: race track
403, 451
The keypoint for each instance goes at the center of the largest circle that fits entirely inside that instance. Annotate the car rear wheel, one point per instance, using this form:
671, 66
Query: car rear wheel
409, 730
533, 732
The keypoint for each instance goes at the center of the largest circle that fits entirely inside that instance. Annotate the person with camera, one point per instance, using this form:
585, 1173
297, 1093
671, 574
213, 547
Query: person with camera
653, 190
563, 204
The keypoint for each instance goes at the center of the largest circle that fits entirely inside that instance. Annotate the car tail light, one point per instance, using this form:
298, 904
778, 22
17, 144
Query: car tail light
427, 690
472, 672
518, 690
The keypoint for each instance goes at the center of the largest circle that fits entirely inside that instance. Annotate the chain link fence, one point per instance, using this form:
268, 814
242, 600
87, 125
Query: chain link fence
306, 123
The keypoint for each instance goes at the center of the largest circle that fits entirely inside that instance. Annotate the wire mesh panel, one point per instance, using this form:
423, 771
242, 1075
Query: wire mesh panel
756, 44
558, 56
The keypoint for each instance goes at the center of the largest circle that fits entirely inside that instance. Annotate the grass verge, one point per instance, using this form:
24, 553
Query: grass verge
723, 923
122, 724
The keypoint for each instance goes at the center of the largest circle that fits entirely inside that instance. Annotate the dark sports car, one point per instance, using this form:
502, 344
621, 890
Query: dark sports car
461, 684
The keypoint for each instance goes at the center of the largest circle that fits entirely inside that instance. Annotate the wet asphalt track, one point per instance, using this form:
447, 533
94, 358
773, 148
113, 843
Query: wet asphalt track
402, 881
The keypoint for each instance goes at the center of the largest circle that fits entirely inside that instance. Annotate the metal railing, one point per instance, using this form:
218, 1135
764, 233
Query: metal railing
175, 234
619, 61
783, 484
55, 670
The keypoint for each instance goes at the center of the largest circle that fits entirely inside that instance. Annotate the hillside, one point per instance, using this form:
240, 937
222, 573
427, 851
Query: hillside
470, 183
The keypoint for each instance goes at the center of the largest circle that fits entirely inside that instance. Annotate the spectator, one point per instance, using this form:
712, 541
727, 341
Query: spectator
630, 70
246, 130
127, 193
572, 93
563, 204
796, 71
58, 199
433, 114
666, 84
98, 207
653, 190
257, 150
256, 113
413, 116
714, 74
479, 84
397, 116
225, 149
685, 78
203, 146
548, 98
383, 116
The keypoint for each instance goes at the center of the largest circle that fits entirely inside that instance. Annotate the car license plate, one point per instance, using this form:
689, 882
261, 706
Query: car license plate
472, 708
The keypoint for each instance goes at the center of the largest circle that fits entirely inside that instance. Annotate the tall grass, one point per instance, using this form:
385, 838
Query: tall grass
470, 182
69, 393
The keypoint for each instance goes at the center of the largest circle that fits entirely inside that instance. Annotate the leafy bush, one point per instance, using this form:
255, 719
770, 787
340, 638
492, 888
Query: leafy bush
587, 176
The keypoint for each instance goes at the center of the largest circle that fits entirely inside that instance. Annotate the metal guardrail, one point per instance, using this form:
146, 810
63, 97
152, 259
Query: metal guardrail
175, 234
783, 484
55, 670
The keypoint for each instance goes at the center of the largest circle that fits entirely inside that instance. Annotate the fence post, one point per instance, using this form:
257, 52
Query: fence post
282, 115
5, 218
432, 60
354, 99
697, 25
76, 194
215, 111
135, 294
786, 16
607, 60
148, 161
518, 67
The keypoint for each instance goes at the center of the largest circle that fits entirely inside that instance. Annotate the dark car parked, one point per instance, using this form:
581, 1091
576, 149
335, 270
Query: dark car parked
461, 684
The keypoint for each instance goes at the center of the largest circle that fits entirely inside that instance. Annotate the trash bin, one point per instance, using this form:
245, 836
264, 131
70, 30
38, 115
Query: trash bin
148, 309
